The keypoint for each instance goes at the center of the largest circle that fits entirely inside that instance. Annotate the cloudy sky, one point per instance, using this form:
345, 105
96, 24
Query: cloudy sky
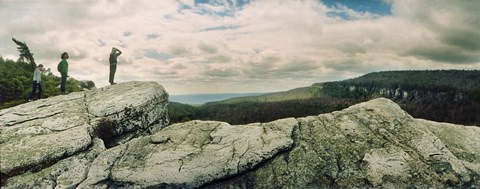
234, 46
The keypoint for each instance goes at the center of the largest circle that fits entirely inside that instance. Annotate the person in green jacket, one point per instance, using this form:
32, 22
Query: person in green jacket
63, 69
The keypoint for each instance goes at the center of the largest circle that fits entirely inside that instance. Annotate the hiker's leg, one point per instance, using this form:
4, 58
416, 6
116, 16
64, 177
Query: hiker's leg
34, 89
64, 81
113, 69
39, 90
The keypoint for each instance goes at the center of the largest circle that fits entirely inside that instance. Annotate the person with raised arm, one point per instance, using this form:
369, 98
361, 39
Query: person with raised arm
113, 64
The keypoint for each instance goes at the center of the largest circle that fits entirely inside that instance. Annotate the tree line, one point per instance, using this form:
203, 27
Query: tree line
251, 112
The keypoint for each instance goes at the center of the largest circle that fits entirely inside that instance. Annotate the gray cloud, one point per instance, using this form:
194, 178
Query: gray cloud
221, 58
465, 40
354, 65
151, 53
179, 66
221, 73
165, 73
343, 64
207, 48
351, 48
220, 28
454, 39
152, 36
444, 54
101, 43
126, 34
291, 68
298, 67
179, 51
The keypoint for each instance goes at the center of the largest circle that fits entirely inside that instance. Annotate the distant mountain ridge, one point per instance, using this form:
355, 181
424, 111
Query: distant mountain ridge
293, 94
434, 80
461, 82
441, 95
431, 79
198, 99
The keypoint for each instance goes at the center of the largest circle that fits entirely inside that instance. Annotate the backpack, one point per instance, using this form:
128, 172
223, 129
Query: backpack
59, 67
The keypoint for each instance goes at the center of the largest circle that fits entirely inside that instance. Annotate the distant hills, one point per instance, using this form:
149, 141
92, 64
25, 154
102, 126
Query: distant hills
440, 95
199, 99
435, 80
294, 94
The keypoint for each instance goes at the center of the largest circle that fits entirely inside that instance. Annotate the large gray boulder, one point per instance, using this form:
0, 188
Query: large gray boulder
116, 137
371, 145
41, 135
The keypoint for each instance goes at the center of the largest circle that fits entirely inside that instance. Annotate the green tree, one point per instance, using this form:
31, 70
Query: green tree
25, 54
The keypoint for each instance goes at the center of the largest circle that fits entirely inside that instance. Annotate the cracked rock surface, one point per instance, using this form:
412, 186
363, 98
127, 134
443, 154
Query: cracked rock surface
191, 154
38, 138
371, 145
56, 143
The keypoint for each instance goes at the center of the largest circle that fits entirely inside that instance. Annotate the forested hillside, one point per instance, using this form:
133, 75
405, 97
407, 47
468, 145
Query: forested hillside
461, 82
440, 95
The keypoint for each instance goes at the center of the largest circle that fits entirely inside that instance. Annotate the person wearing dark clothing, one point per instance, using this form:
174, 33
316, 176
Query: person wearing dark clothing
37, 82
63, 69
113, 64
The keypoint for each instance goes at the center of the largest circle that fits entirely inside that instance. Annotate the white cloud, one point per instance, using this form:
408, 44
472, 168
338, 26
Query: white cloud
263, 46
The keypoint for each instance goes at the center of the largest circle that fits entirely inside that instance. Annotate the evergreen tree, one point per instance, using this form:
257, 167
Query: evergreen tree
25, 54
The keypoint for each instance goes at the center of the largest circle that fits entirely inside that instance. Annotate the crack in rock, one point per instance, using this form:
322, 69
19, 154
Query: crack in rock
200, 156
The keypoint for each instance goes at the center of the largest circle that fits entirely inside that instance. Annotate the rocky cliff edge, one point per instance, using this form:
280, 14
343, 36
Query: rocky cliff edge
117, 137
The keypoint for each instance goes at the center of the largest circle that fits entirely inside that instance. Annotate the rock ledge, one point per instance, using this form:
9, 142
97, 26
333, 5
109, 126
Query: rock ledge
117, 137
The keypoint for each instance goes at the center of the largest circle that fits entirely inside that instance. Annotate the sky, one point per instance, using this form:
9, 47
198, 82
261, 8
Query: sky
243, 46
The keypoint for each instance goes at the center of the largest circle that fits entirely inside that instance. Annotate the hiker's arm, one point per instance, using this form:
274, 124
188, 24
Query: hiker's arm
119, 52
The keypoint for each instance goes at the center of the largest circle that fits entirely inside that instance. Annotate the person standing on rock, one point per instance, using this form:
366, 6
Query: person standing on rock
37, 78
63, 69
113, 64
